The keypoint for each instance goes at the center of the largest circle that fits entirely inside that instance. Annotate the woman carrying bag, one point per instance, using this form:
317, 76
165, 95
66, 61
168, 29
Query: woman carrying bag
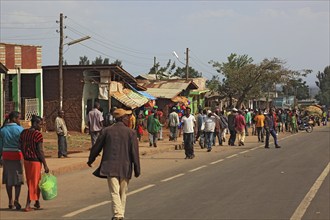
31, 146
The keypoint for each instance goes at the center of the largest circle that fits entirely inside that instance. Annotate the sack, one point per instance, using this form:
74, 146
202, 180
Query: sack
48, 186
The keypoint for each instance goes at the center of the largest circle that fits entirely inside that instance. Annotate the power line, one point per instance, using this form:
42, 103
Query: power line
23, 28
44, 38
121, 46
111, 56
26, 15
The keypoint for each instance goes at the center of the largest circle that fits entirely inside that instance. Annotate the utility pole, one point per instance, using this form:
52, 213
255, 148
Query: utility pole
60, 61
187, 63
155, 67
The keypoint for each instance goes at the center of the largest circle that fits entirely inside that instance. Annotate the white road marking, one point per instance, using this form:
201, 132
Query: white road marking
243, 152
103, 203
173, 177
234, 155
254, 148
141, 189
198, 168
218, 161
85, 209
300, 211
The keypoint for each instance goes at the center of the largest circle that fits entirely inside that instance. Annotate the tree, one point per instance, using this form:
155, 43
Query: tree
83, 60
296, 87
324, 84
181, 72
106, 61
244, 80
163, 72
97, 61
118, 63
213, 84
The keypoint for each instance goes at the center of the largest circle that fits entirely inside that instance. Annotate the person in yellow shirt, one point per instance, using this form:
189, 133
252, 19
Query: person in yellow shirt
260, 122
132, 121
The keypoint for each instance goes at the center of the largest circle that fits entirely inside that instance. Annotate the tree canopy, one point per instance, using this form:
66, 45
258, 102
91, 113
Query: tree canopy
324, 84
244, 80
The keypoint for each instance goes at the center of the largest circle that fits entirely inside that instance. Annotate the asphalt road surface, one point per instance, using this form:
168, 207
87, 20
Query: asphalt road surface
247, 182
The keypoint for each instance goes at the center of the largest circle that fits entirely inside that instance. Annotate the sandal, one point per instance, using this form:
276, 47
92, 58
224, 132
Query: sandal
28, 209
37, 204
17, 205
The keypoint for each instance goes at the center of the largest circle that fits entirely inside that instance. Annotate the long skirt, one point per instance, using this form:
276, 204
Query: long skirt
33, 175
12, 174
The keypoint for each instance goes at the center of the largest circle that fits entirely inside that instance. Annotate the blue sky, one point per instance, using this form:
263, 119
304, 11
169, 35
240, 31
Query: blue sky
137, 31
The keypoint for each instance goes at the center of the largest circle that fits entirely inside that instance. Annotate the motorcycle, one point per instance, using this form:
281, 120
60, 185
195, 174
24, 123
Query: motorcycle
305, 126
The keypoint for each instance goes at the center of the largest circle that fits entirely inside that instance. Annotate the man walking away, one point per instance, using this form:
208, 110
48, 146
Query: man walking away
62, 132
95, 122
260, 122
153, 127
210, 122
240, 127
120, 157
223, 127
231, 127
247, 121
173, 124
270, 129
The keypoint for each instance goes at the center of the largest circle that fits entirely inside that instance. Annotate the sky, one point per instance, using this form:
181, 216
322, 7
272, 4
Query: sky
135, 32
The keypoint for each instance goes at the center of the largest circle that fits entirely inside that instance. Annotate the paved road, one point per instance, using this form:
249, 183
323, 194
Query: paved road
249, 182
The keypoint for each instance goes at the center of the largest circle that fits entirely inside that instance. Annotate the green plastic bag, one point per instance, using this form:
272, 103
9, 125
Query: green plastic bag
48, 186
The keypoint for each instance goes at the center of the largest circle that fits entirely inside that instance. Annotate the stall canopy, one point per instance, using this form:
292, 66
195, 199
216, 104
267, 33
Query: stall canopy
128, 97
181, 99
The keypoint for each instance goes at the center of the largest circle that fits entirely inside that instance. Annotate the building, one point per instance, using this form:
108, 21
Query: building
22, 88
170, 91
3, 74
83, 85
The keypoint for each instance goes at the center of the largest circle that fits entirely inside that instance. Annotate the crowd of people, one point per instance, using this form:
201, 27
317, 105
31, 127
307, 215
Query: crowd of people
207, 127
122, 129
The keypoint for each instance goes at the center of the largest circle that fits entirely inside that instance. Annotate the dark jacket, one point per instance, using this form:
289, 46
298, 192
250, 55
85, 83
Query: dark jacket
231, 121
120, 152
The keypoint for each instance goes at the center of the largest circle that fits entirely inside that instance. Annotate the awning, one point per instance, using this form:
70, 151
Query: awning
181, 99
145, 94
127, 97
130, 98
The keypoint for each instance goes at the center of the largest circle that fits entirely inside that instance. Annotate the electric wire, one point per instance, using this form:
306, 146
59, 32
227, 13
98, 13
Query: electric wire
120, 46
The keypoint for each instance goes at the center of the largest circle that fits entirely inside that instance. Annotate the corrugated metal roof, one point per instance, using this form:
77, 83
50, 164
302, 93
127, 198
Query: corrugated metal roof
130, 98
164, 93
168, 84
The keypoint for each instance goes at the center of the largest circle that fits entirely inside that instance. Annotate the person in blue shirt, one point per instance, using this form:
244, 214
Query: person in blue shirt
11, 158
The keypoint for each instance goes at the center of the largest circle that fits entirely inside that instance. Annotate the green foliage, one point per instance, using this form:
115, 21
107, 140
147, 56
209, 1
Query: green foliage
324, 84
106, 61
83, 60
296, 87
213, 84
118, 63
181, 72
163, 72
97, 61
244, 80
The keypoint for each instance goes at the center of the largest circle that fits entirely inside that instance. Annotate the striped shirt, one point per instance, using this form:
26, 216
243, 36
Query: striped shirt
28, 144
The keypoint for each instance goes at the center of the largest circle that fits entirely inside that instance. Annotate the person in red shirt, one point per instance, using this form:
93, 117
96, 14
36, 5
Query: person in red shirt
31, 141
240, 127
